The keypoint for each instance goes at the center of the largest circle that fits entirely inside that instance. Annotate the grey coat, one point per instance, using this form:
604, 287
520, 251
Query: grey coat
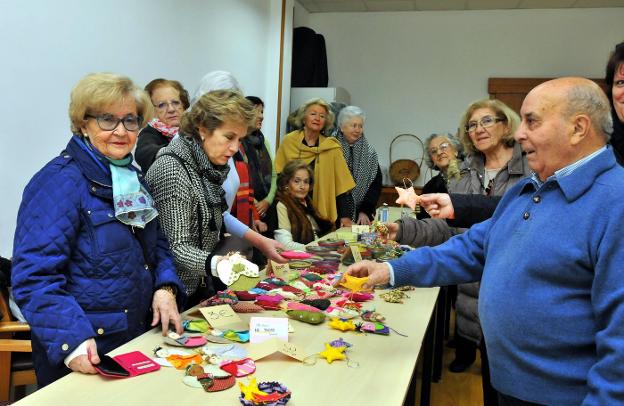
431, 232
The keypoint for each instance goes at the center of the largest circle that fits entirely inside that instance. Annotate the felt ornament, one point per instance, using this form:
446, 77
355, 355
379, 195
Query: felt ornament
184, 340
312, 277
407, 195
359, 296
394, 296
321, 304
234, 266
303, 285
373, 327
215, 371
347, 304
223, 297
275, 281
342, 325
300, 264
331, 243
318, 249
239, 368
340, 343
246, 307
221, 383
238, 336
332, 354
182, 361
195, 326
299, 255
266, 394
300, 306
371, 315
341, 313
306, 317
353, 283
247, 391
216, 339
245, 295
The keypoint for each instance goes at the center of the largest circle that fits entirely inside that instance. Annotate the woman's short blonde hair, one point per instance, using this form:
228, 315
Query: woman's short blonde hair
329, 120
214, 108
501, 110
96, 91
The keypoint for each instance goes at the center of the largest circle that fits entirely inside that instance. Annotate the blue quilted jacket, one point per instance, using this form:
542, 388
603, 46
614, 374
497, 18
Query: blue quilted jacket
78, 272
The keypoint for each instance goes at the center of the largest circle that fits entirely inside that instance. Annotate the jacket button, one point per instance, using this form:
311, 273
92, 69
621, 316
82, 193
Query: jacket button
89, 212
146, 267
66, 156
526, 215
110, 215
125, 310
93, 189
537, 199
65, 347
100, 331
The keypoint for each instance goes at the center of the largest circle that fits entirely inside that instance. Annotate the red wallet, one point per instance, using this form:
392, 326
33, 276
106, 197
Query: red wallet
126, 365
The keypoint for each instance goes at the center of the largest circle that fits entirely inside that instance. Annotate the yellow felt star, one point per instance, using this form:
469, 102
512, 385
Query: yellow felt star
407, 196
332, 354
251, 389
338, 324
354, 283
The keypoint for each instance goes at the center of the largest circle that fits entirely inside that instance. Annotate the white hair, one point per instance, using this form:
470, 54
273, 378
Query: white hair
349, 112
215, 80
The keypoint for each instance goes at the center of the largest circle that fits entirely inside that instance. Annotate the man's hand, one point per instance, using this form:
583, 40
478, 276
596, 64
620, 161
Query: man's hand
378, 273
84, 363
438, 205
166, 311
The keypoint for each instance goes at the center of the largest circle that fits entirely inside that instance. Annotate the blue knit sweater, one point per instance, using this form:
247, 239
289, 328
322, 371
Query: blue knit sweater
551, 264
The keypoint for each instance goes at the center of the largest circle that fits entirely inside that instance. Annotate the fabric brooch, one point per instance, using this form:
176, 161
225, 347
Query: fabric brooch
236, 272
184, 340
396, 295
263, 393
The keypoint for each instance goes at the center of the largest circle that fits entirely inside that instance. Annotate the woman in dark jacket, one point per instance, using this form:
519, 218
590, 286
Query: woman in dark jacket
170, 100
89, 259
614, 79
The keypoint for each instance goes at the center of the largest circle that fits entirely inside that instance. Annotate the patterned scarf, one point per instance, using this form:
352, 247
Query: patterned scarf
133, 204
362, 162
166, 130
212, 176
260, 165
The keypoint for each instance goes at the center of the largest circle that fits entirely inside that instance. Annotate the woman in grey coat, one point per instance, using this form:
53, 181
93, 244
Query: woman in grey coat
493, 164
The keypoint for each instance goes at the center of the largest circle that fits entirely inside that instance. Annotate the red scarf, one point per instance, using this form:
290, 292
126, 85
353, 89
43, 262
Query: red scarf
244, 207
166, 130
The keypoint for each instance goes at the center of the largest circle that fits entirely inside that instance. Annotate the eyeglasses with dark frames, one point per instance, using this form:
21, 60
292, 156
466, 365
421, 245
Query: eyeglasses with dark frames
108, 122
485, 122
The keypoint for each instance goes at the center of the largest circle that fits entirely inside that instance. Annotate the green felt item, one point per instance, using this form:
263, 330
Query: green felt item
244, 283
306, 316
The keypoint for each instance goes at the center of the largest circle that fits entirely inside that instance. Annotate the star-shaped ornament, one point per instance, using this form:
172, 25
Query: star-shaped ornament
407, 197
353, 283
250, 390
342, 325
332, 354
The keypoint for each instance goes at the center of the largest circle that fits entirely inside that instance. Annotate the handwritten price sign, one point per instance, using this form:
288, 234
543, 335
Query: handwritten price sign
223, 317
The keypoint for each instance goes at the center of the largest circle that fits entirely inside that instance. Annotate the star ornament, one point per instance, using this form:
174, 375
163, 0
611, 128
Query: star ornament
332, 354
250, 390
407, 197
353, 283
342, 325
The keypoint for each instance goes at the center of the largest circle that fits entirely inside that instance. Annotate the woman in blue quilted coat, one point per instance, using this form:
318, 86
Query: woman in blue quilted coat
91, 269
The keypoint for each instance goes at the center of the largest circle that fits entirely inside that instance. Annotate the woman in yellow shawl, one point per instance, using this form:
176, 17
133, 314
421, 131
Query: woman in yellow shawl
331, 173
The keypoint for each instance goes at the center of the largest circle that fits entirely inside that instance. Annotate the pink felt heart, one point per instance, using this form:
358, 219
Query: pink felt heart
295, 254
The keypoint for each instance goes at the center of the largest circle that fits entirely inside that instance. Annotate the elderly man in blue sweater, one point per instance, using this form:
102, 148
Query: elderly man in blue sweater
550, 260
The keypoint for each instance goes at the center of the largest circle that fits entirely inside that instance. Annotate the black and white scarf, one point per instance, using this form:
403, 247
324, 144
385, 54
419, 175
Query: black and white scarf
363, 163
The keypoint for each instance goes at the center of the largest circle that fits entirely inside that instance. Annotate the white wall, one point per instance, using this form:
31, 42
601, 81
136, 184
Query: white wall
416, 72
49, 45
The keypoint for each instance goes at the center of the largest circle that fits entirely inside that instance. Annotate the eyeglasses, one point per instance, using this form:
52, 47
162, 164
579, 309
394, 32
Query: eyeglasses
108, 122
175, 104
486, 122
440, 148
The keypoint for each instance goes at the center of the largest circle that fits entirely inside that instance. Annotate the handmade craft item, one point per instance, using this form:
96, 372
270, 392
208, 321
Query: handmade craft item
396, 295
306, 316
342, 325
195, 325
373, 327
295, 255
321, 304
407, 195
264, 393
359, 296
341, 312
239, 368
184, 340
331, 243
372, 315
353, 283
237, 272
332, 354
247, 307
340, 343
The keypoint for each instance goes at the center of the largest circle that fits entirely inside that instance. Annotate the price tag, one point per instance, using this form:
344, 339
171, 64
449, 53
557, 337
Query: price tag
359, 229
280, 270
223, 317
265, 328
355, 251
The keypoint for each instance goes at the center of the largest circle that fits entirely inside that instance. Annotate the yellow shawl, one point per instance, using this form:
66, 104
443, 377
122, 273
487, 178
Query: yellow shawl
331, 173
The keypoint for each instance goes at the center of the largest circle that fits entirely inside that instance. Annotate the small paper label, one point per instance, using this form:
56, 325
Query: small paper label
223, 318
359, 229
355, 251
265, 328
280, 270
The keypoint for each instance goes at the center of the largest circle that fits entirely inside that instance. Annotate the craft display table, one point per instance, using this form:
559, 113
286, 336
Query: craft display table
385, 375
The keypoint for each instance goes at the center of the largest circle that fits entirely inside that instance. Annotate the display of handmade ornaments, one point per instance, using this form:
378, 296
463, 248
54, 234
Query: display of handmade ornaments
263, 393
236, 272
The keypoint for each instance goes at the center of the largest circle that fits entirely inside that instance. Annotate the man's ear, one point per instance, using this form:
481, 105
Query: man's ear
581, 124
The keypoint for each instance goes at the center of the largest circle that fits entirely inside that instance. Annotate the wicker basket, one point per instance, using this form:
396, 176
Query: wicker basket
405, 168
